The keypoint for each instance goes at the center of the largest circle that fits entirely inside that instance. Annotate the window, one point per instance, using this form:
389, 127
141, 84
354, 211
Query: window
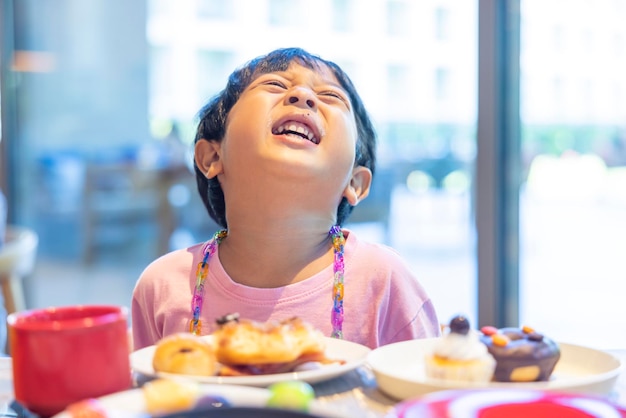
399, 83
442, 24
398, 19
442, 84
161, 83
174, 60
573, 234
215, 9
214, 68
286, 13
343, 15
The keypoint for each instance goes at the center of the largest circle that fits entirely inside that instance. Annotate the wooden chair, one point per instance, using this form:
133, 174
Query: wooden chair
17, 259
117, 198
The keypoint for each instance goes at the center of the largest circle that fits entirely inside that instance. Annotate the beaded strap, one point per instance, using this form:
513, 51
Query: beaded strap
202, 272
338, 270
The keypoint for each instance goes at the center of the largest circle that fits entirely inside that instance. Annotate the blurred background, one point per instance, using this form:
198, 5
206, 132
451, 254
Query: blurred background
99, 99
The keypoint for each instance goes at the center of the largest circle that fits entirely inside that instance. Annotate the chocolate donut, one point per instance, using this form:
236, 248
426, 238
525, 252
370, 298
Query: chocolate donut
521, 354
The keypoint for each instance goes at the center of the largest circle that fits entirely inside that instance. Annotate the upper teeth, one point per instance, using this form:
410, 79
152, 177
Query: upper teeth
297, 127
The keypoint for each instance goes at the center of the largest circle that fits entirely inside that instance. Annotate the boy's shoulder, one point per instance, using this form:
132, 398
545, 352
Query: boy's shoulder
364, 249
369, 246
175, 259
383, 265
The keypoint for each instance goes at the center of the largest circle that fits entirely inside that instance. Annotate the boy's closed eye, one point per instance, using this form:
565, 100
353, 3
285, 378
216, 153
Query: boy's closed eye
327, 93
276, 83
332, 93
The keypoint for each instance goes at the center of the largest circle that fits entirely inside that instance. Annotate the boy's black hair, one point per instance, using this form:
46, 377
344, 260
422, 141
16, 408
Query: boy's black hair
213, 115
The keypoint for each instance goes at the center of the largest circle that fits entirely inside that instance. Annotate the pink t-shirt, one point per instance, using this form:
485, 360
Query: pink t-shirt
383, 301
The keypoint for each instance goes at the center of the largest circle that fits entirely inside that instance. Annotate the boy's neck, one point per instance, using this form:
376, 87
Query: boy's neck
276, 254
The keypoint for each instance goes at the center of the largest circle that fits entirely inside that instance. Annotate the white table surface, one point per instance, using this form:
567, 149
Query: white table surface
354, 394
6, 386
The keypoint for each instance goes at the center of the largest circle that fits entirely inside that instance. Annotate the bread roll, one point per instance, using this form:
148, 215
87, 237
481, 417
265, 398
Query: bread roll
185, 353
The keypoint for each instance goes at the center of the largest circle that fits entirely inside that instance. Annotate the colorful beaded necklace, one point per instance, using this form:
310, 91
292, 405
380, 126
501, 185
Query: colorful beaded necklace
202, 272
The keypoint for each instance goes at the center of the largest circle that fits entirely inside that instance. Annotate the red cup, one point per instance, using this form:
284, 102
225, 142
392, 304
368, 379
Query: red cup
65, 354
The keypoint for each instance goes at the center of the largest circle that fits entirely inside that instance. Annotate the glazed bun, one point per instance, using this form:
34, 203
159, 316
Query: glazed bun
251, 342
185, 353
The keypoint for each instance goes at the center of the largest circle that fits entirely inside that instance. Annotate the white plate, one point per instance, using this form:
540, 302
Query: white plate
353, 354
130, 403
399, 371
507, 403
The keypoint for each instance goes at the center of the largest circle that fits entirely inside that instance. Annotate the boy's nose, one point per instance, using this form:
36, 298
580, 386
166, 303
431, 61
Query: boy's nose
302, 98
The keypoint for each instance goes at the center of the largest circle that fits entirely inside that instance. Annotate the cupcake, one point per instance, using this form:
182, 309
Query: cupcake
521, 354
460, 355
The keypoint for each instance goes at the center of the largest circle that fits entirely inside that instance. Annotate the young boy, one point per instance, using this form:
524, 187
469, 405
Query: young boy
282, 155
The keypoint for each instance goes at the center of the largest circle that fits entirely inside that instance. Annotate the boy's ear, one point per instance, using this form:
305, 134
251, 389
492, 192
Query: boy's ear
208, 158
359, 186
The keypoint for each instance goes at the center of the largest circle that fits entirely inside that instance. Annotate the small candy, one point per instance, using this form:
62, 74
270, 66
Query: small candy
500, 340
291, 395
459, 325
535, 336
212, 401
227, 318
88, 408
527, 329
489, 330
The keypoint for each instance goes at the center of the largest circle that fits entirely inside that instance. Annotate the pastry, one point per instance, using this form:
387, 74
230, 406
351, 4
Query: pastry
521, 354
243, 347
185, 353
251, 347
459, 355
163, 396
251, 342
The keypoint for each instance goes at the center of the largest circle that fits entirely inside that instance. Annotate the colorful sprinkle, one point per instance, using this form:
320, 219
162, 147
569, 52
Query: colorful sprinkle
489, 330
500, 340
294, 394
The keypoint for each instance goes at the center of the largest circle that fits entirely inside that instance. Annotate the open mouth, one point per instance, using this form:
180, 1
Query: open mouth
299, 129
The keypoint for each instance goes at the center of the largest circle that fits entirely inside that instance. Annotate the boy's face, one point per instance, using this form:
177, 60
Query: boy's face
294, 124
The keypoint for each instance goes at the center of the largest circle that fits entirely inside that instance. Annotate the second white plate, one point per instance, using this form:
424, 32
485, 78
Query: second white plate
399, 371
353, 354
131, 403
